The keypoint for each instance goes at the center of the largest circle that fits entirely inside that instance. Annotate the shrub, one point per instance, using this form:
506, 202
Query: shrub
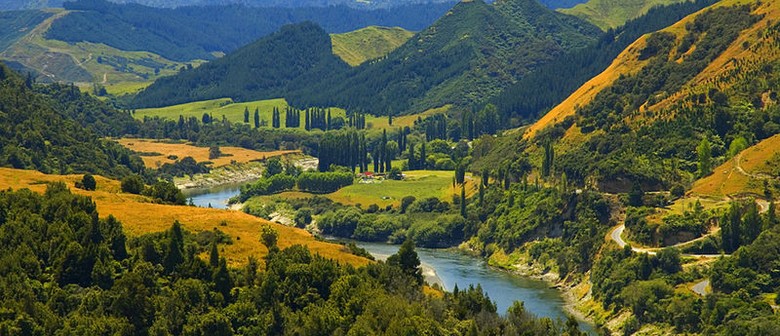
133, 184
87, 182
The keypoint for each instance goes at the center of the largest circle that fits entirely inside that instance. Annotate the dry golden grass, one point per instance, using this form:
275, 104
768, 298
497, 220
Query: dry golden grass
626, 63
139, 216
200, 154
734, 54
727, 180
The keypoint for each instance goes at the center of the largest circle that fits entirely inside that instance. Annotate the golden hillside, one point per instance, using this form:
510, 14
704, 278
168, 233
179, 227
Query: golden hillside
139, 216
754, 47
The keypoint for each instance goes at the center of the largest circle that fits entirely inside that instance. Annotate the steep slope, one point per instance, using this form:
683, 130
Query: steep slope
296, 55
545, 88
710, 76
613, 13
368, 43
471, 53
751, 171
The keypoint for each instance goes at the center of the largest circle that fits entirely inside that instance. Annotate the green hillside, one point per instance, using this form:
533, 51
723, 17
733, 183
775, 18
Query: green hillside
368, 43
268, 68
53, 141
613, 13
471, 53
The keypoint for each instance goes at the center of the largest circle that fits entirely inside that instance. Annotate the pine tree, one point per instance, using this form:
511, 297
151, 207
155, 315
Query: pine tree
423, 158
463, 200
257, 118
704, 152
246, 115
214, 256
223, 283
407, 260
549, 157
175, 249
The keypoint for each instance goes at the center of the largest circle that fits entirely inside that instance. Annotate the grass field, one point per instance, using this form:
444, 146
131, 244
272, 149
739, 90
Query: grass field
200, 154
138, 217
418, 183
369, 43
234, 112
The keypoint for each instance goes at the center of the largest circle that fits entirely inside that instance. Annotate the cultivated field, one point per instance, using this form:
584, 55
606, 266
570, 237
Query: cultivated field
164, 150
419, 183
139, 216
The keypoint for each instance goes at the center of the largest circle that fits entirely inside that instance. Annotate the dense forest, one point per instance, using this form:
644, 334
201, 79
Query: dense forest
437, 67
268, 68
77, 274
465, 57
38, 134
189, 33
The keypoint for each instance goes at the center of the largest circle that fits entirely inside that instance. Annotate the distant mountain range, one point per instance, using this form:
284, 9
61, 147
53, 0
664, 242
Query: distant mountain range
364, 4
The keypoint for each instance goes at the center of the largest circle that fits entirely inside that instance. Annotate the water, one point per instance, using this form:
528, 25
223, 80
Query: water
503, 288
217, 197
450, 267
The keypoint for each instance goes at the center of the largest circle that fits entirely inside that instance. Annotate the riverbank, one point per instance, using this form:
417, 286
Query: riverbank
576, 295
228, 175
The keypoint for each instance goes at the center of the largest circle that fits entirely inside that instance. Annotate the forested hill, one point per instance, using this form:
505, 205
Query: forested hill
673, 103
38, 131
188, 33
471, 53
546, 87
285, 61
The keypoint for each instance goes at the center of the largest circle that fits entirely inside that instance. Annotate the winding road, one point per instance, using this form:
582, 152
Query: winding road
702, 287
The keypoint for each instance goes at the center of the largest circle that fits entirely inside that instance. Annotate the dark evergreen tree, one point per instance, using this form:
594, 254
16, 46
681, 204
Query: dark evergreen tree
407, 260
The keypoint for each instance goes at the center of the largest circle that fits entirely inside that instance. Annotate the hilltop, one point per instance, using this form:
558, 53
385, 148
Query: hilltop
471, 53
368, 43
608, 14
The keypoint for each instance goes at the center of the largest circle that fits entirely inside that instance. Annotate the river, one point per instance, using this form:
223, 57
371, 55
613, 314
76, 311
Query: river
451, 267
215, 197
